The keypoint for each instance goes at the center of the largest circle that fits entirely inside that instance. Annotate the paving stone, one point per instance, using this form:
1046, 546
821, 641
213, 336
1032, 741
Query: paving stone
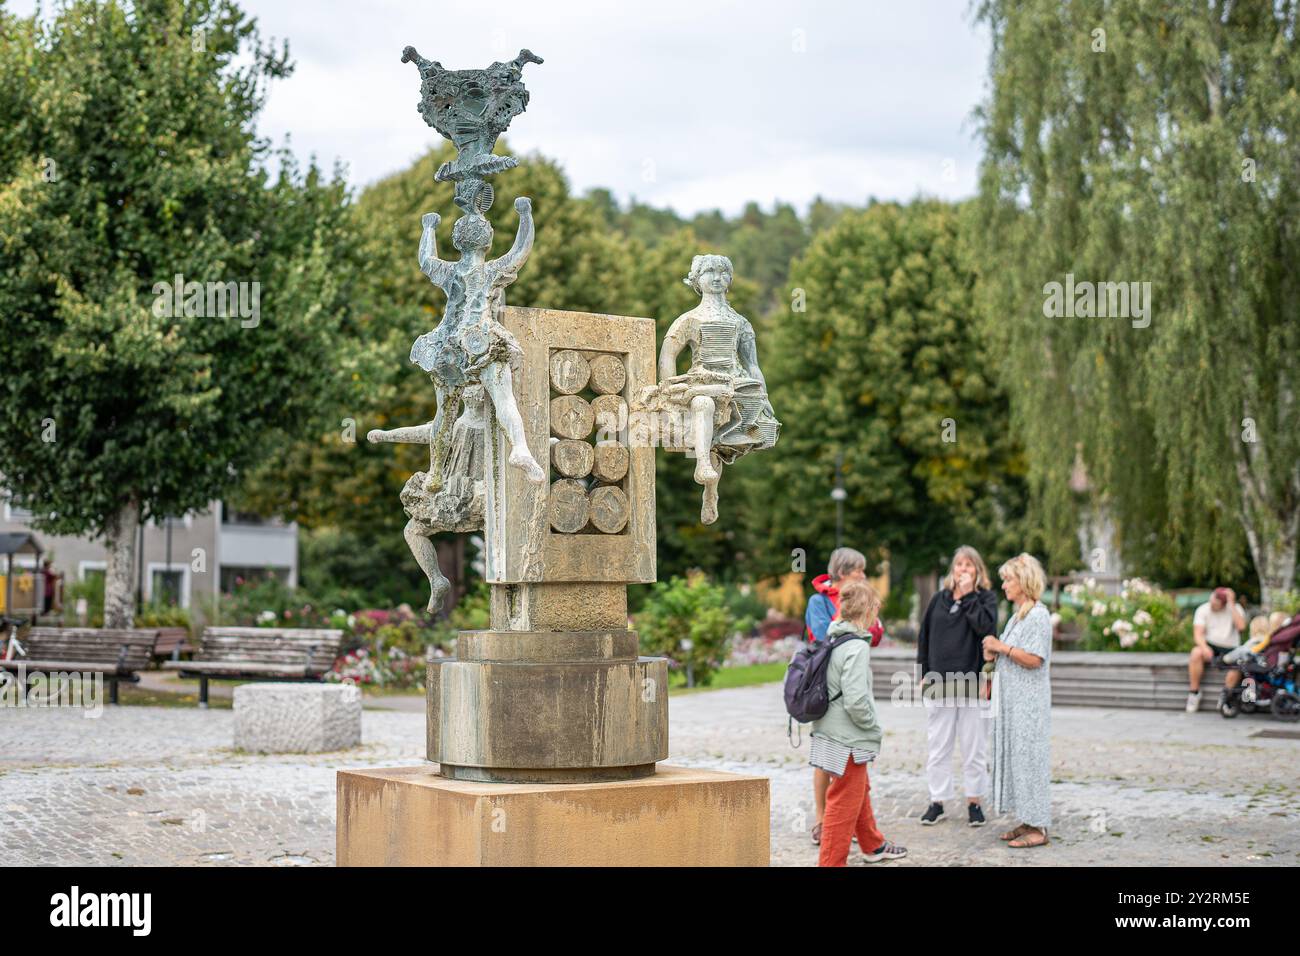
1130, 787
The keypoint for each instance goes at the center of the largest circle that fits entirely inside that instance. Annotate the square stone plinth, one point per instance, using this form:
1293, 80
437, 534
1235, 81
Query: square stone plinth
297, 718
411, 816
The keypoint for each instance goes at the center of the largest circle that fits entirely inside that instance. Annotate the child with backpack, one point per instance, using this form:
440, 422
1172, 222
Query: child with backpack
846, 737
846, 564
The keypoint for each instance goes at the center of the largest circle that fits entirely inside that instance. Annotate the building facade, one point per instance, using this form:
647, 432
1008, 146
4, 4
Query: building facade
179, 560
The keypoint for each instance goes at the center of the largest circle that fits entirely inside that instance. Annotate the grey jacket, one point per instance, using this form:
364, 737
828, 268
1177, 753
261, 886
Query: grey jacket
851, 718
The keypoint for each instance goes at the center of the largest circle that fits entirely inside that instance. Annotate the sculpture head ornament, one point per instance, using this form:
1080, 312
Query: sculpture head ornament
472, 108
471, 232
710, 273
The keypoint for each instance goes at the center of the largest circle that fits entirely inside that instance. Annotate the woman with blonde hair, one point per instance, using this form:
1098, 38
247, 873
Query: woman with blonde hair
1022, 753
949, 655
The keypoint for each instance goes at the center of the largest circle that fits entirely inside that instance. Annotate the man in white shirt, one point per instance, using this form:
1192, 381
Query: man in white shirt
1216, 629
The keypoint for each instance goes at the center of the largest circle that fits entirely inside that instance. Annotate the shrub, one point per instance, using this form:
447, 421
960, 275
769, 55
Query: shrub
266, 601
746, 607
163, 615
1288, 603
1140, 618
387, 648
688, 610
93, 591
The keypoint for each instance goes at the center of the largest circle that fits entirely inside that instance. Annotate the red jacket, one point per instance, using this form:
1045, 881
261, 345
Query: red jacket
819, 615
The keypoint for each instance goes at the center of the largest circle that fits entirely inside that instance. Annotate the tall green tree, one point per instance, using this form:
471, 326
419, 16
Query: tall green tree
1158, 143
128, 156
885, 368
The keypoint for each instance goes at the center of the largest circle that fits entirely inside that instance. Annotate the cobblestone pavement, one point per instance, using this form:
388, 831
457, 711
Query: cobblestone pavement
1130, 787
152, 785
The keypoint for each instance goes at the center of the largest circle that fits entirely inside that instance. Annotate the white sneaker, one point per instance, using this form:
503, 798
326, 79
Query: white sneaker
1193, 701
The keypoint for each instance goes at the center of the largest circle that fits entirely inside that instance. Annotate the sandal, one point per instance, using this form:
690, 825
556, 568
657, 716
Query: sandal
1032, 837
1012, 834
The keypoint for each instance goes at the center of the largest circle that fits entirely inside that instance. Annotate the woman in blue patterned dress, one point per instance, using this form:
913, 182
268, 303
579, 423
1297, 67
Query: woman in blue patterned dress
1022, 703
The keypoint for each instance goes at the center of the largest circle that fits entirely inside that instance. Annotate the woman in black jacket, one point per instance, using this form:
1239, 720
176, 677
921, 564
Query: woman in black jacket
949, 652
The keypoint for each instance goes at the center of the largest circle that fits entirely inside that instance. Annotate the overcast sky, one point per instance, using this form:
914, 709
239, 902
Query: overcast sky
692, 104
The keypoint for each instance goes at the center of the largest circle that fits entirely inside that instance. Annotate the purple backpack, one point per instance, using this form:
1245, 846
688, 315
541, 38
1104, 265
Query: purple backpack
806, 695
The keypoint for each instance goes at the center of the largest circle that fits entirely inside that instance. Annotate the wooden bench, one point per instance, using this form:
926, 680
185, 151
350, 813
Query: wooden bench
1154, 681
261, 653
172, 643
116, 653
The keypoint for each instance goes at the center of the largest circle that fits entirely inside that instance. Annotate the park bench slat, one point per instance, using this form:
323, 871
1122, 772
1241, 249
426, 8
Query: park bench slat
117, 653
238, 667
172, 641
98, 667
261, 652
281, 633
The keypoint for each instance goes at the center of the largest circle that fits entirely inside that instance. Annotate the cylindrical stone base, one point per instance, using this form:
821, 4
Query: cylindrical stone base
547, 707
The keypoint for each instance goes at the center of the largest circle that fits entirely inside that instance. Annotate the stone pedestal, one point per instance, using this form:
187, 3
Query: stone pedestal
412, 816
547, 707
297, 718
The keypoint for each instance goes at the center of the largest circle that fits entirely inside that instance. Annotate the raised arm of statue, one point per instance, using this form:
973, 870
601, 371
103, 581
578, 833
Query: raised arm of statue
412, 435
436, 269
512, 261
675, 340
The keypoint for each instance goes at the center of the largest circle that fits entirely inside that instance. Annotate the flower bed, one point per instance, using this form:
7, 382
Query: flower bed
761, 650
1140, 618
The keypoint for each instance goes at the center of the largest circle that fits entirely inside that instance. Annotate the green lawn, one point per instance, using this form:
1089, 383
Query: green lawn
132, 696
725, 677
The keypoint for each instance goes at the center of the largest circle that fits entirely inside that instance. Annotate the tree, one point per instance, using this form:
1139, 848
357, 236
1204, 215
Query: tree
1138, 143
128, 158
886, 368
762, 246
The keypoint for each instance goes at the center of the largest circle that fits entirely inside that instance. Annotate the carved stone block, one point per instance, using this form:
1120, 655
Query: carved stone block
532, 532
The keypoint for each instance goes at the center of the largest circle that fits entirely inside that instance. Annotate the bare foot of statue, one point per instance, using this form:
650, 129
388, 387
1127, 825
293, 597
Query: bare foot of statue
521, 459
437, 594
705, 473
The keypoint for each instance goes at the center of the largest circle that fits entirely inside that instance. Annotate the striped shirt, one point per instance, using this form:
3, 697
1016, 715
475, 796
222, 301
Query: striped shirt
833, 757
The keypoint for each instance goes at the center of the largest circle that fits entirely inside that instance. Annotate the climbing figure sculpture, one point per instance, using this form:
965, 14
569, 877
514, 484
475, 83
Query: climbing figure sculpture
469, 346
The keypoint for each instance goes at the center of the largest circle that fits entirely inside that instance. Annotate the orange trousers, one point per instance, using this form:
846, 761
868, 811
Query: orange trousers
848, 812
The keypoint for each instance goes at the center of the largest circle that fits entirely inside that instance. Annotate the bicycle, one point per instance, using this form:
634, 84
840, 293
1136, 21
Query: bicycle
13, 648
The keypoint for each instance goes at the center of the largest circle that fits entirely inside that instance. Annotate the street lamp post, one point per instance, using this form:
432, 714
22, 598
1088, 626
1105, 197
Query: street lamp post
838, 494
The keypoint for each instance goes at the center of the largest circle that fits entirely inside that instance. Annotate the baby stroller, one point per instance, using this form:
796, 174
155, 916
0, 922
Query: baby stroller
1268, 675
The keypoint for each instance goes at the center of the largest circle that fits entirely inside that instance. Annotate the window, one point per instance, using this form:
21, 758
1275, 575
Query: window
166, 586
94, 571
183, 522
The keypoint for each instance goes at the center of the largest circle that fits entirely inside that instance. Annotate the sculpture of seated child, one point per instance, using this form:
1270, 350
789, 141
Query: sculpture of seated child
722, 400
